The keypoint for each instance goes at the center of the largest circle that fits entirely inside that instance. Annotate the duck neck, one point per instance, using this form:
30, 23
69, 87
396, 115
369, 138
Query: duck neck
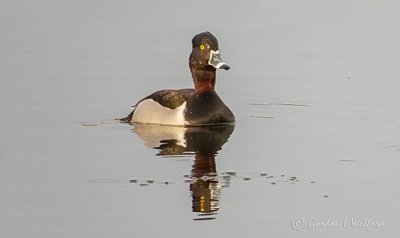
204, 80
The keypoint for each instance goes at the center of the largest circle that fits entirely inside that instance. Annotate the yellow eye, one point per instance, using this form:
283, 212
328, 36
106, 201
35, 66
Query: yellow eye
202, 47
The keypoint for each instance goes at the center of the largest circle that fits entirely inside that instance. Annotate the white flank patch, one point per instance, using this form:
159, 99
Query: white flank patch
151, 112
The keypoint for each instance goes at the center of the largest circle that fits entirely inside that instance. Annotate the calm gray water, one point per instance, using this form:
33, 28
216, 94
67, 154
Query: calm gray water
313, 85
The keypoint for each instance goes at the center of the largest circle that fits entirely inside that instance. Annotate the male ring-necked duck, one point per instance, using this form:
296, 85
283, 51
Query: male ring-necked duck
189, 107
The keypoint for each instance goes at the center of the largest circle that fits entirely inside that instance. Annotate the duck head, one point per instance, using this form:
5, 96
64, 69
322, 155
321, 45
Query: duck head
205, 52
205, 59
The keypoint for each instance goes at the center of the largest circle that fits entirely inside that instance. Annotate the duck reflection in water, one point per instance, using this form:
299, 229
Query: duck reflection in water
202, 142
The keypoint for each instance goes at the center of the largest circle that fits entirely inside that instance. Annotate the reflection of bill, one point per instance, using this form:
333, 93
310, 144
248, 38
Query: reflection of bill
204, 143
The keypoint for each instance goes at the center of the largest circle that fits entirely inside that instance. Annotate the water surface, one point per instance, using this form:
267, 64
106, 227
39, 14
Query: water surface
313, 85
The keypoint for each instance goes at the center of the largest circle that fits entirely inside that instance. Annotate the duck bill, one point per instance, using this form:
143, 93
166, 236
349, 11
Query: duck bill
216, 61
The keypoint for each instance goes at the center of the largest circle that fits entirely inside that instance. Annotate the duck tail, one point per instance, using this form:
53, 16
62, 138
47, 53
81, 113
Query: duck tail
127, 119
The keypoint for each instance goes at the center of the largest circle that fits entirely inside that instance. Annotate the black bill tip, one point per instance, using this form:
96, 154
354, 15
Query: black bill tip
225, 66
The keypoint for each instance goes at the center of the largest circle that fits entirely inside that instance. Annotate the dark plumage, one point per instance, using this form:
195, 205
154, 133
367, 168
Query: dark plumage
205, 38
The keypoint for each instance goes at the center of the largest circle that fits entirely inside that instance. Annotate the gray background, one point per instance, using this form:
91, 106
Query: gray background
65, 64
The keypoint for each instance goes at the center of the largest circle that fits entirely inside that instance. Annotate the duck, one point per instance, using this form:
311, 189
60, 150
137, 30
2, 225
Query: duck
198, 106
